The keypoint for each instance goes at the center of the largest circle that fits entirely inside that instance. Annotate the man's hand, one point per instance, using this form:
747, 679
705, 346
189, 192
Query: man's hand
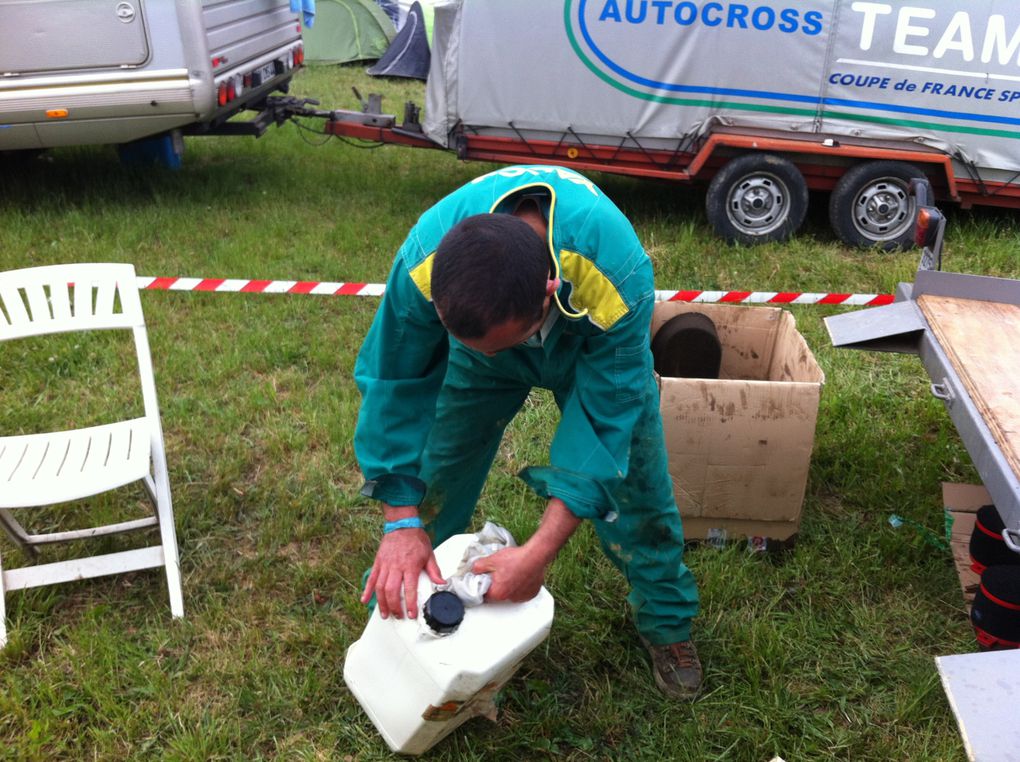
518, 573
399, 561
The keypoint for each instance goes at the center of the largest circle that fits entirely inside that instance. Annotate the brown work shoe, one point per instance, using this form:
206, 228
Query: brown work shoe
676, 668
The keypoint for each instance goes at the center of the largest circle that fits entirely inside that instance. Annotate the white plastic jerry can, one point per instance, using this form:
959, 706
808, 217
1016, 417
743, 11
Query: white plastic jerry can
416, 689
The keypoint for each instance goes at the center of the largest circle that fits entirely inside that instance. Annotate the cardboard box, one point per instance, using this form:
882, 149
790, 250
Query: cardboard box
962, 502
740, 446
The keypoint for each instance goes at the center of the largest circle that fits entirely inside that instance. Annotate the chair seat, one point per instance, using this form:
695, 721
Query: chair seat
43, 469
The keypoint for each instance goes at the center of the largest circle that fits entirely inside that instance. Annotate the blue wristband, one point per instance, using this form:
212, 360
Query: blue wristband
412, 522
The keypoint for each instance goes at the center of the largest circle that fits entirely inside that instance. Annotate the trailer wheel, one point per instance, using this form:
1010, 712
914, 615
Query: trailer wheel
757, 198
871, 205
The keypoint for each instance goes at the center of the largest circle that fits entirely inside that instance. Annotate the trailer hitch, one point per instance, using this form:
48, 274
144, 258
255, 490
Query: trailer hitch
371, 112
280, 108
369, 124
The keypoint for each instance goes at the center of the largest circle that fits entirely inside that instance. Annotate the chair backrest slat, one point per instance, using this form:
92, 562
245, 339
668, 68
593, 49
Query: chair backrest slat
38, 301
14, 306
105, 293
82, 300
60, 300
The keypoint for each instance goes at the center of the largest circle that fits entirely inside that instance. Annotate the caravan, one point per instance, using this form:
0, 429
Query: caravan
75, 72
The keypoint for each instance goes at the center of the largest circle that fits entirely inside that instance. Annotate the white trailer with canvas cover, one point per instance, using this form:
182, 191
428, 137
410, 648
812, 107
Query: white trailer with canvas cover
760, 101
76, 72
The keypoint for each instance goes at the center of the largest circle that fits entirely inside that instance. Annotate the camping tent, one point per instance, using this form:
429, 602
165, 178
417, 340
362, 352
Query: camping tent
398, 10
408, 54
394, 11
347, 30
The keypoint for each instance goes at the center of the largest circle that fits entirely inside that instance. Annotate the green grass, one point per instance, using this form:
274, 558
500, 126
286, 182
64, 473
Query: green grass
825, 653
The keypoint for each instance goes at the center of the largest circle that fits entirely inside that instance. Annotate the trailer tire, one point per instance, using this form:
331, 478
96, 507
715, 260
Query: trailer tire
871, 205
757, 198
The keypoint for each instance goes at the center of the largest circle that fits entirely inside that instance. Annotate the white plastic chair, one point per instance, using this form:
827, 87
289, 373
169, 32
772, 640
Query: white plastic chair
49, 468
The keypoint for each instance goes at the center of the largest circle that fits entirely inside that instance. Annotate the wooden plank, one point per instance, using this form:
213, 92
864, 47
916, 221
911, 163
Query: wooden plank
982, 341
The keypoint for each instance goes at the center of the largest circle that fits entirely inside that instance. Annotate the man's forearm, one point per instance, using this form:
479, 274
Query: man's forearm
556, 527
518, 573
397, 512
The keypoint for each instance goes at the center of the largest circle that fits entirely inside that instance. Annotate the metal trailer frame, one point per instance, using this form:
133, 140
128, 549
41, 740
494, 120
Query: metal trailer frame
687, 162
902, 327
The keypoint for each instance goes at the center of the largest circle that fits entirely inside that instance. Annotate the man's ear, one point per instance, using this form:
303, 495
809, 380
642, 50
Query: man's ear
551, 286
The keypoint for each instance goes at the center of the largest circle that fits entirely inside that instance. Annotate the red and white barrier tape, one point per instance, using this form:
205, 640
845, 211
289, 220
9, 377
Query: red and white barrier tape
774, 297
329, 288
317, 288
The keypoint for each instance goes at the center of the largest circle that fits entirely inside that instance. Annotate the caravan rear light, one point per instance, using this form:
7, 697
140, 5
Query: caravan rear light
221, 94
231, 91
299, 56
238, 85
248, 80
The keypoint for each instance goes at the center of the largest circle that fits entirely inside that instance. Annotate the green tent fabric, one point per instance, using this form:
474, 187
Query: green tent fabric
347, 30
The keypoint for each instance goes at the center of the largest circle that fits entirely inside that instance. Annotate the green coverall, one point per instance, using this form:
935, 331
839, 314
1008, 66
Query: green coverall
434, 411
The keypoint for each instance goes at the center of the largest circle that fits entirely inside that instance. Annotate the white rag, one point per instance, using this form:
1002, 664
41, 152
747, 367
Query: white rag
470, 587
464, 583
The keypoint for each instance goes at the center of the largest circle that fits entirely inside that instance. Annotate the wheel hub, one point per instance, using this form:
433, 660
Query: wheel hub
883, 210
758, 204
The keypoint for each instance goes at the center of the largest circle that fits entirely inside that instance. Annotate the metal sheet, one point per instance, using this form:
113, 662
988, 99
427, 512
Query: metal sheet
983, 288
893, 328
71, 34
984, 691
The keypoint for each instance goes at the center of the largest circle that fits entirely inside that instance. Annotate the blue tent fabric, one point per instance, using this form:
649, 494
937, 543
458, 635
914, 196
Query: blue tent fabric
408, 55
306, 8
392, 9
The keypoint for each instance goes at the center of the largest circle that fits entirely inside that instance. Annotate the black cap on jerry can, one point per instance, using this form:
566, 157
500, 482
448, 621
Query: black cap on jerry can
443, 612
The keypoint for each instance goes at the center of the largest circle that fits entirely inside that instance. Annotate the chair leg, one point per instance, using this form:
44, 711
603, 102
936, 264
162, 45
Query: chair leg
168, 539
17, 533
3, 607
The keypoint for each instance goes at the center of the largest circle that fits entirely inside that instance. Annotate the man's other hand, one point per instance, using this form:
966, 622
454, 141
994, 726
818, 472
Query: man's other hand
517, 574
399, 561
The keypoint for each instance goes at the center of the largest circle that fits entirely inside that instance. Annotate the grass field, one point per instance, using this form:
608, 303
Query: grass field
825, 653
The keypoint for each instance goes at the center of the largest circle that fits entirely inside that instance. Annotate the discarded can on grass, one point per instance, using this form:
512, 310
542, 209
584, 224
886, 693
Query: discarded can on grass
417, 689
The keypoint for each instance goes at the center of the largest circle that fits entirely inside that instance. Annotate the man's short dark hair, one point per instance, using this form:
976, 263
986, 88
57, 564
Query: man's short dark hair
489, 268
